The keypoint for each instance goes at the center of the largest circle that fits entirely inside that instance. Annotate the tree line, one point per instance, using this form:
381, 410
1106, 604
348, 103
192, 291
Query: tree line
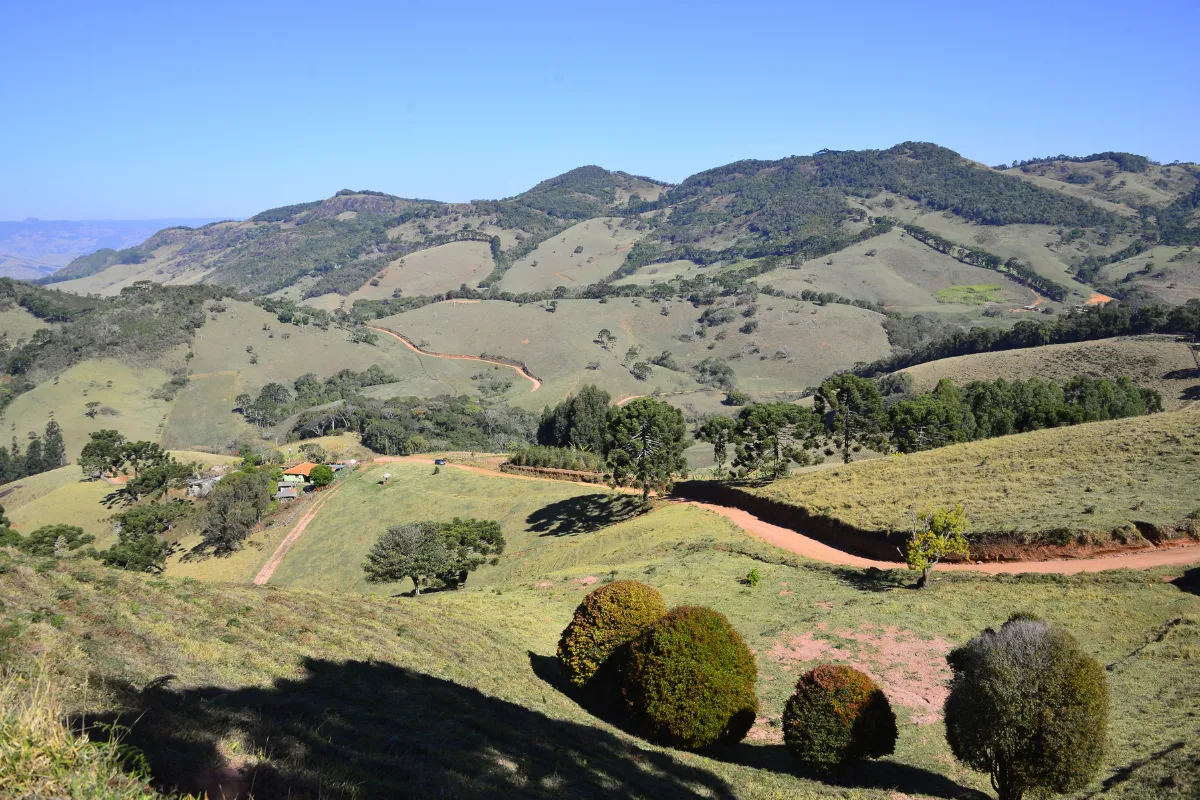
978, 257
42, 454
276, 402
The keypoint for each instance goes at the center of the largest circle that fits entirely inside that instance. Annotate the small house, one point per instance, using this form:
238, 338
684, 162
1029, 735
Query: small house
301, 473
287, 492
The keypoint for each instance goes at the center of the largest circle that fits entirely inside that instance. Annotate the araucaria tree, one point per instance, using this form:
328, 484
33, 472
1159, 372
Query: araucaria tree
937, 533
856, 413
720, 433
770, 436
1028, 707
235, 506
646, 440
433, 553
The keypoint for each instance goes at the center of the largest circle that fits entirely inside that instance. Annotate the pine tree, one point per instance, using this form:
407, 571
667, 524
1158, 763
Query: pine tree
33, 457
54, 450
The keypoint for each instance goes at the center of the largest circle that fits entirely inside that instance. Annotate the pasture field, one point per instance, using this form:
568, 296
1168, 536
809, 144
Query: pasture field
1170, 274
794, 345
249, 664
431, 271
662, 273
604, 241
1154, 362
970, 295
202, 414
902, 273
159, 267
17, 323
126, 405
1095, 476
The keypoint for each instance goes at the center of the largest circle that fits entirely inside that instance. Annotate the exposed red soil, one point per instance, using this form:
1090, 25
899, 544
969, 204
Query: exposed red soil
268, 569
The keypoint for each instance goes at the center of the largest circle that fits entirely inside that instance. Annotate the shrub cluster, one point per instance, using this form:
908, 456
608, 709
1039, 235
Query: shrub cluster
607, 619
557, 458
689, 680
838, 715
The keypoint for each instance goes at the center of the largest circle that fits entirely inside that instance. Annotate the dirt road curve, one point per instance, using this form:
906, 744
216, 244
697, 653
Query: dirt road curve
268, 569
787, 539
537, 384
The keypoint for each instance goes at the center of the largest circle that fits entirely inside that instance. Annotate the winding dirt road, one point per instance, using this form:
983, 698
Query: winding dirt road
537, 384
792, 541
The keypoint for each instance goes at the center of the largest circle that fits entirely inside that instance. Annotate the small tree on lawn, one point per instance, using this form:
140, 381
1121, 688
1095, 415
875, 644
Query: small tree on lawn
321, 475
415, 550
719, 432
1028, 707
938, 533
646, 439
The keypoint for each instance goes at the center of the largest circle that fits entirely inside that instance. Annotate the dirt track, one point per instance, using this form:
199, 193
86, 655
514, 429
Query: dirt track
268, 569
790, 540
537, 384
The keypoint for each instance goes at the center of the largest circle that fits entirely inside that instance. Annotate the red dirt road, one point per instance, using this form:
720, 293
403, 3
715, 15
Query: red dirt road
268, 569
537, 384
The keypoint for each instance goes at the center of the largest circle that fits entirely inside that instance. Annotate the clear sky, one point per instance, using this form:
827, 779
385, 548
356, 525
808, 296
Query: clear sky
124, 110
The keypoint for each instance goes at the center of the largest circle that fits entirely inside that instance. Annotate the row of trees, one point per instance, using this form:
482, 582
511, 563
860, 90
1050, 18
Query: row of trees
978, 257
275, 402
850, 413
42, 454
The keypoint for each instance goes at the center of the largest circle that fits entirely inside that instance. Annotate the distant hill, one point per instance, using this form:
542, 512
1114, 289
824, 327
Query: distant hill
34, 248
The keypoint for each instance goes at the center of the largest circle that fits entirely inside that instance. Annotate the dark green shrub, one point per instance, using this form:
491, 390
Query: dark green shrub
838, 715
608, 618
1028, 706
689, 680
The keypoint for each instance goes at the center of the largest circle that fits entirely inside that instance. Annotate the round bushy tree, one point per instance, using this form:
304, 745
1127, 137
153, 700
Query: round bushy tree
838, 715
608, 618
689, 680
1029, 707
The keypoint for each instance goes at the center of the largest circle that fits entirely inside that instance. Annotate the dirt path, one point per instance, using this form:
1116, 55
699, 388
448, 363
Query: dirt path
268, 569
537, 384
630, 397
790, 540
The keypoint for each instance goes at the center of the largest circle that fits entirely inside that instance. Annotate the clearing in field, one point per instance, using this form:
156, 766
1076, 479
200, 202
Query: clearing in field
1095, 476
580, 255
124, 402
1154, 362
431, 271
971, 295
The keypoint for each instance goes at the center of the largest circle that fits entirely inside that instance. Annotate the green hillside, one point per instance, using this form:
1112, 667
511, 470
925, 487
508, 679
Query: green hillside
299, 693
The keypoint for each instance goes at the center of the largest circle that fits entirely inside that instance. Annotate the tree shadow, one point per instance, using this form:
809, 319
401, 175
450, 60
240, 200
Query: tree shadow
882, 775
873, 579
1190, 393
584, 514
1183, 374
370, 729
1189, 581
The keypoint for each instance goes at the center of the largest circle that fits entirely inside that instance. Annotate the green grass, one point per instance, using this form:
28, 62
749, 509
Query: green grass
456, 692
1095, 476
17, 323
605, 242
137, 414
1155, 362
971, 295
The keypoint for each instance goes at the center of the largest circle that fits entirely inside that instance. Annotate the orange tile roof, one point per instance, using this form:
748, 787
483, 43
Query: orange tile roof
303, 468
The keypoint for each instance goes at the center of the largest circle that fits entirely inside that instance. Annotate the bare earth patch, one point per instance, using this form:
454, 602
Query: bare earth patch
911, 670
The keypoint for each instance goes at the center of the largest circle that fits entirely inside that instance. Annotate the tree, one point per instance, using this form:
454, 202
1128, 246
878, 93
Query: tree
1028, 707
856, 412
154, 481
141, 455
938, 533
55, 540
415, 550
105, 452
93, 407
578, 421
646, 439
321, 475
140, 546
932, 420
719, 432
471, 542
54, 450
34, 462
234, 507
771, 436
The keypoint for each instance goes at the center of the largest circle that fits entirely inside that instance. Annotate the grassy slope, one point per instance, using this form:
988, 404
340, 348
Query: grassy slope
1124, 470
17, 323
904, 274
557, 347
1172, 274
605, 242
1121, 191
1154, 362
138, 415
456, 692
431, 271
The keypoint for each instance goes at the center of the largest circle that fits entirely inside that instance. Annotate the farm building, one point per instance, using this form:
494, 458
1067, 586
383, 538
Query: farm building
300, 473
287, 492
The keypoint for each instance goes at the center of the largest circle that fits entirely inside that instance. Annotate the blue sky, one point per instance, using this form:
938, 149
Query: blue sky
124, 110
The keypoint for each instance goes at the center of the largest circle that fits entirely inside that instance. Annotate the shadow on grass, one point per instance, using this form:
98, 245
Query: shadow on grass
1189, 581
585, 513
369, 729
873, 579
884, 775
1190, 393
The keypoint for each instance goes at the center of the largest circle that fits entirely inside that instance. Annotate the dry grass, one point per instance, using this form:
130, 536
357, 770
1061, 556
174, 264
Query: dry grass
431, 271
1154, 362
1095, 476
605, 242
